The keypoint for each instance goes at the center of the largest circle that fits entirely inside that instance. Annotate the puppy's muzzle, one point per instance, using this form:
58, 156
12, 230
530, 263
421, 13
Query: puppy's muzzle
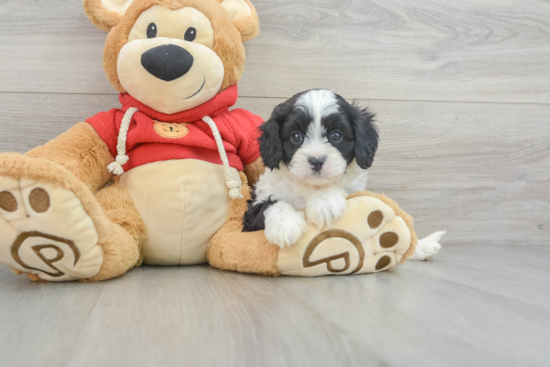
317, 163
167, 62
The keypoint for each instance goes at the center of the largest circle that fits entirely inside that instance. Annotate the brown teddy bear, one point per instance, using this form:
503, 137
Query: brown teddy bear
164, 179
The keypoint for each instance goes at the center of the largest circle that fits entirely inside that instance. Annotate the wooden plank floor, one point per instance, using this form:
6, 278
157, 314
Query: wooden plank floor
462, 92
475, 305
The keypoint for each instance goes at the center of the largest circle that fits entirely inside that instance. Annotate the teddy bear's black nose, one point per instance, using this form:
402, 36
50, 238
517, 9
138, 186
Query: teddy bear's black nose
167, 62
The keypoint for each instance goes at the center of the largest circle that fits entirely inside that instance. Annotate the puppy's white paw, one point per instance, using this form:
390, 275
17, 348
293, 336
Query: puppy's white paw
325, 208
283, 224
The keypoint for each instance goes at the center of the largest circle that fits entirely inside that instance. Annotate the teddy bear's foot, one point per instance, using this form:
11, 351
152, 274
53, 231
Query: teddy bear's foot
45, 231
374, 235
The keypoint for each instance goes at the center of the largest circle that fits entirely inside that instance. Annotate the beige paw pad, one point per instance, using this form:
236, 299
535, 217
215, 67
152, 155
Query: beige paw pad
379, 262
44, 230
369, 238
8, 202
394, 236
386, 236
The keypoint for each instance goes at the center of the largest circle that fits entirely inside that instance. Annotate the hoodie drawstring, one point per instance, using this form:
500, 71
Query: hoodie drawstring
121, 158
232, 185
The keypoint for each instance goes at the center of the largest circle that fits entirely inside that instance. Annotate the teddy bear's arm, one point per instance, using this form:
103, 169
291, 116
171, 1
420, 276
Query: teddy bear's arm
253, 171
82, 152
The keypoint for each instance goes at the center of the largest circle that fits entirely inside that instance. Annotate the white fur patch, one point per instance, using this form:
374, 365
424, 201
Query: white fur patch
283, 224
326, 206
318, 103
333, 169
428, 247
355, 179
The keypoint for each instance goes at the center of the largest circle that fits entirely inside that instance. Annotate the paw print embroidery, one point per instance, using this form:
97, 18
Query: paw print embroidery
345, 256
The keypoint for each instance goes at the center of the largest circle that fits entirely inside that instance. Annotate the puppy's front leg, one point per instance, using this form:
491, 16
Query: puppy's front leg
283, 224
326, 206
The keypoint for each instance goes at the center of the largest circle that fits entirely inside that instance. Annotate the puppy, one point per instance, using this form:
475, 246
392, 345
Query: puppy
317, 147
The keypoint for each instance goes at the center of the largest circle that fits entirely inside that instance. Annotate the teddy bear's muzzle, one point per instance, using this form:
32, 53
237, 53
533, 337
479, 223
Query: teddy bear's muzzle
167, 62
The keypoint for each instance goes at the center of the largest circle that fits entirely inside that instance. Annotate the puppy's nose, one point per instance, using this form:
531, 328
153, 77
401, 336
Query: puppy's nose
167, 62
317, 163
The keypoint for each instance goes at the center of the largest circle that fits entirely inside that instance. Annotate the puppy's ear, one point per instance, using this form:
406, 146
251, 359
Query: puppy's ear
105, 14
244, 17
271, 146
366, 136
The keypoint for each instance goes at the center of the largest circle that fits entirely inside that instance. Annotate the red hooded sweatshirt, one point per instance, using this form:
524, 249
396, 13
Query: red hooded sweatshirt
238, 129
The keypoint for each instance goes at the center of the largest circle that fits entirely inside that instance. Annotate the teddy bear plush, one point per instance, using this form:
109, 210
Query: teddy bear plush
164, 179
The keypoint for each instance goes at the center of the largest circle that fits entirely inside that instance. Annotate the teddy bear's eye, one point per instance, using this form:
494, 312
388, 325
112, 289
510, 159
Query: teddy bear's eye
190, 34
152, 30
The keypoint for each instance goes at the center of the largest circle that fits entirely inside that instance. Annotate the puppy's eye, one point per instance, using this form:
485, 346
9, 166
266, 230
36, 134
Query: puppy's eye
190, 34
336, 136
296, 137
152, 30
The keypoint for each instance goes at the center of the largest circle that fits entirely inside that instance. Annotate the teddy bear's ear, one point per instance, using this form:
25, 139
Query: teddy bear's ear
105, 14
244, 17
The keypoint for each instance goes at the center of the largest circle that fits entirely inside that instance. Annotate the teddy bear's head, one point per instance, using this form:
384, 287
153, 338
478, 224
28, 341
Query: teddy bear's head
173, 55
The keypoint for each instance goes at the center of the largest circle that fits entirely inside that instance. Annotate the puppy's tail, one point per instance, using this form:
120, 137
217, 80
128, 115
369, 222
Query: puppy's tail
428, 247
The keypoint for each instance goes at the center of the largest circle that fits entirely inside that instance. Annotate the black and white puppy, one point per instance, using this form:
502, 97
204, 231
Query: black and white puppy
317, 148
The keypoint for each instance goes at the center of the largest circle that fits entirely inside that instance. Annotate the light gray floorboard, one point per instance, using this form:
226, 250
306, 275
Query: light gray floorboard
476, 305
475, 50
442, 162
